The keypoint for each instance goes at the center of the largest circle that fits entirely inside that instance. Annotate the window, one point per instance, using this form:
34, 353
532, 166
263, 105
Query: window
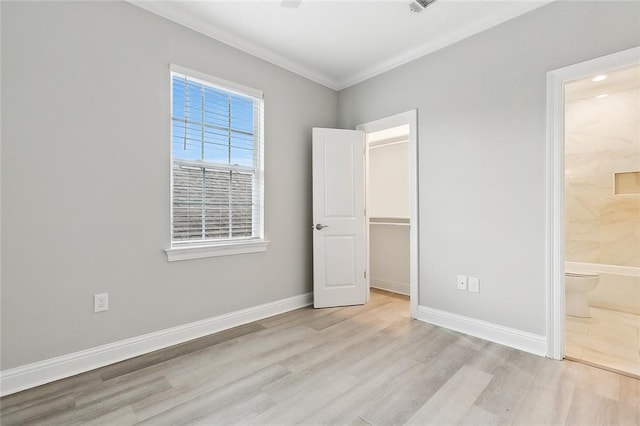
217, 167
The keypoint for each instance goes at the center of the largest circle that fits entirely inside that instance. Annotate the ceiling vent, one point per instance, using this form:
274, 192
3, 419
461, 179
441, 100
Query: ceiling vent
417, 6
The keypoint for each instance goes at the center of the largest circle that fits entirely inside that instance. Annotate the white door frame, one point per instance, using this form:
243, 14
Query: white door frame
410, 118
554, 257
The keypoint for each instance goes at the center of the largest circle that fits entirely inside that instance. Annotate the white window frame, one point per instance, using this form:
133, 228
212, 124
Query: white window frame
185, 250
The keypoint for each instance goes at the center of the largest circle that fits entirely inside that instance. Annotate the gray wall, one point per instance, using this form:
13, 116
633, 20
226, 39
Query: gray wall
85, 179
481, 105
85, 169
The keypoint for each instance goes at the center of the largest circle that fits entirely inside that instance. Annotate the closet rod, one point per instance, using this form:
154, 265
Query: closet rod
390, 223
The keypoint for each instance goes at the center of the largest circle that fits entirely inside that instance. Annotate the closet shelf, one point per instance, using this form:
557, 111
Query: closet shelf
389, 142
396, 221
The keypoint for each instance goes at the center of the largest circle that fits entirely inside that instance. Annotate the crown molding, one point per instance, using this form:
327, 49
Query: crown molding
173, 12
168, 11
441, 42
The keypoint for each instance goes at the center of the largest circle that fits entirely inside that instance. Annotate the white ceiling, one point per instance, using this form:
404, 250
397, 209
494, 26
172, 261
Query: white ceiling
338, 43
611, 81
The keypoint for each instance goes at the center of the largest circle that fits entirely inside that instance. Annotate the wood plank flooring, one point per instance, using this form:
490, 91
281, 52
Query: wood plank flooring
356, 365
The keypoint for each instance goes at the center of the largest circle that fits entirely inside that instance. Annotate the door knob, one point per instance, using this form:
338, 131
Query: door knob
320, 226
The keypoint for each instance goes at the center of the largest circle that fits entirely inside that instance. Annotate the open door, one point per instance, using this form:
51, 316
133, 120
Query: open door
338, 218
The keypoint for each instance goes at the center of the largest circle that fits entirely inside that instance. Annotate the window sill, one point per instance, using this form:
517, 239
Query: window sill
227, 248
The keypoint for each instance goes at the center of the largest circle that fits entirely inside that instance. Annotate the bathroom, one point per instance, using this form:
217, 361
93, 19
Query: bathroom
602, 220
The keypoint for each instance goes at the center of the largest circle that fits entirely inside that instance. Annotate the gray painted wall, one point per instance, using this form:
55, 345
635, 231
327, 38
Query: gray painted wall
85, 179
85, 169
481, 105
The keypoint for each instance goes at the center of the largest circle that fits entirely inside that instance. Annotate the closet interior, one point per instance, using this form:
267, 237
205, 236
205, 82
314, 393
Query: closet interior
388, 208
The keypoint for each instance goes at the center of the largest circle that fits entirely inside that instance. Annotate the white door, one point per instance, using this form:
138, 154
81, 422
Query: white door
338, 218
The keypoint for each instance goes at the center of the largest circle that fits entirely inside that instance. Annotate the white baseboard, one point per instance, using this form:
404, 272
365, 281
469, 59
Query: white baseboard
389, 286
528, 342
49, 370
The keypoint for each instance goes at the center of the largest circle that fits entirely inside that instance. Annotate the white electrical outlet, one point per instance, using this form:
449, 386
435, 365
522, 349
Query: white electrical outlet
100, 302
462, 282
474, 284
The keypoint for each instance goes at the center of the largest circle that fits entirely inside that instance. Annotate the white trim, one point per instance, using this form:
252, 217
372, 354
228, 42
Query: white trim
173, 12
226, 248
400, 288
434, 44
226, 85
197, 250
554, 233
49, 370
514, 338
404, 118
554, 227
258, 177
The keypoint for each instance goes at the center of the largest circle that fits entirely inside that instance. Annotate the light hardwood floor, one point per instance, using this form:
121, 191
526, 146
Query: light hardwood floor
359, 365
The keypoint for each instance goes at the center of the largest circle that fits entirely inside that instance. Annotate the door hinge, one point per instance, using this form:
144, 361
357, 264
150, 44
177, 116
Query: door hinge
365, 275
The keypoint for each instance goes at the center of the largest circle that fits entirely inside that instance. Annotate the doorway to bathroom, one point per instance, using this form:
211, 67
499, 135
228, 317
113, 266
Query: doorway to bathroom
594, 215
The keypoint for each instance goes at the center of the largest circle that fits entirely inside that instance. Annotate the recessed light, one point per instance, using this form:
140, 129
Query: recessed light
604, 95
599, 77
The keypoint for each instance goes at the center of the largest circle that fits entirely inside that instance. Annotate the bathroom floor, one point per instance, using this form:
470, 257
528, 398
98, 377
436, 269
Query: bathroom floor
610, 339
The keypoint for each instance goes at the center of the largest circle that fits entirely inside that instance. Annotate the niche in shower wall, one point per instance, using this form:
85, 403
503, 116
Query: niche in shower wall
626, 183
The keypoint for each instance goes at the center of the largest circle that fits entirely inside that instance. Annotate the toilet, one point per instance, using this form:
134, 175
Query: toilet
577, 285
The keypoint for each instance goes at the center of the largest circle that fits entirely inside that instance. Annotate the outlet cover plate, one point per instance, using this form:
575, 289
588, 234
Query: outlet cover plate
101, 302
462, 282
474, 284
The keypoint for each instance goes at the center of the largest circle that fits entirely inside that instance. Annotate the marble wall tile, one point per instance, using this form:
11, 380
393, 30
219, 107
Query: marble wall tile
602, 137
582, 231
582, 251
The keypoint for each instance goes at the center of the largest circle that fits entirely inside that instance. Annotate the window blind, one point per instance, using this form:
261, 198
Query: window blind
216, 162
